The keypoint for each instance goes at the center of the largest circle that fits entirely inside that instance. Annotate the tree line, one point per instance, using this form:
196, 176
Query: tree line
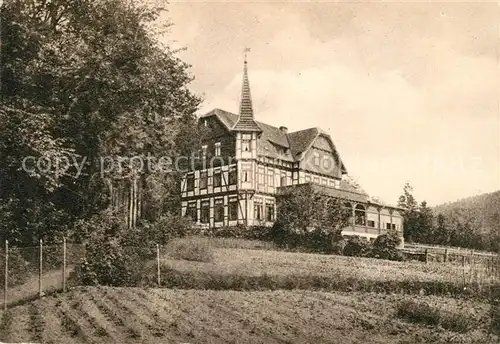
459, 226
82, 80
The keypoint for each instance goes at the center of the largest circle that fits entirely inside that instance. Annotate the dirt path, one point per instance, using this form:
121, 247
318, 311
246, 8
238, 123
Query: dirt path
51, 280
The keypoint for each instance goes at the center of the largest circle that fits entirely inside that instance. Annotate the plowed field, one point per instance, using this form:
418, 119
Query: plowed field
133, 315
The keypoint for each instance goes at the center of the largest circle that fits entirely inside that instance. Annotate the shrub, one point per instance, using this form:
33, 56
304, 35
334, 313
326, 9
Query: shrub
194, 249
19, 268
162, 230
109, 260
357, 247
418, 312
338, 246
385, 247
456, 322
111, 264
423, 313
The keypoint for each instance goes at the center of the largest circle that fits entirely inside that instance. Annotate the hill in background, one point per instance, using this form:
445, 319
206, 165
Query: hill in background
483, 210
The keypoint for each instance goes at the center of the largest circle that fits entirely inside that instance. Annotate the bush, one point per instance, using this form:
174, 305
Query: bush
456, 322
418, 312
357, 247
19, 268
162, 230
423, 313
385, 247
339, 246
194, 249
111, 264
109, 258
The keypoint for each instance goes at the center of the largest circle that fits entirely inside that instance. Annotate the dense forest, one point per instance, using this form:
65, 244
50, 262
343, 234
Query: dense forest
472, 222
84, 82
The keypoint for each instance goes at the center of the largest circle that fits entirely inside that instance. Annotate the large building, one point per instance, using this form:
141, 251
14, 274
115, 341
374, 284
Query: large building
246, 163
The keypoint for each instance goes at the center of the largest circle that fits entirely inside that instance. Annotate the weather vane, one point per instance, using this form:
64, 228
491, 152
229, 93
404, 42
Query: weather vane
246, 50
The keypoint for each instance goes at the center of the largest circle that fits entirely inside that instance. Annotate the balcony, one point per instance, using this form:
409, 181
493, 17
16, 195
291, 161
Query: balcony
329, 191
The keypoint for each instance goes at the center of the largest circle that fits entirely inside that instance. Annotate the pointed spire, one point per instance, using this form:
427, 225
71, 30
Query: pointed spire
246, 108
246, 121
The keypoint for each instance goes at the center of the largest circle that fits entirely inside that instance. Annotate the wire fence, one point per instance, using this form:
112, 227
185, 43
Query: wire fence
32, 271
35, 271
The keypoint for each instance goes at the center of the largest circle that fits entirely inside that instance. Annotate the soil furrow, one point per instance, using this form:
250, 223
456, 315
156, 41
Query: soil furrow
20, 325
131, 331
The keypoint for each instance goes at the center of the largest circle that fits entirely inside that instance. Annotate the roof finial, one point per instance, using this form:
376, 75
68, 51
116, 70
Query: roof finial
246, 50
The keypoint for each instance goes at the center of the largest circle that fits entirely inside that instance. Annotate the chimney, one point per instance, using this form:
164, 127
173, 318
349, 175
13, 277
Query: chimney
284, 129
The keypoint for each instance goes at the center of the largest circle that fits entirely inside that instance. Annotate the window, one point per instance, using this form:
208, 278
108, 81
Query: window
246, 170
307, 178
233, 176
205, 211
316, 158
270, 177
258, 209
190, 182
217, 178
203, 180
219, 210
217, 149
246, 142
324, 181
371, 223
233, 209
327, 163
360, 215
260, 175
192, 211
270, 210
316, 180
390, 225
394, 226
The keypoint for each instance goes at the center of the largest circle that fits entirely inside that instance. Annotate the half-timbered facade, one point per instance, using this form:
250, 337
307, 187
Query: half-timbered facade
246, 163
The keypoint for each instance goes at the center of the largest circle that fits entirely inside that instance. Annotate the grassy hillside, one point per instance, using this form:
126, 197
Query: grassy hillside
133, 315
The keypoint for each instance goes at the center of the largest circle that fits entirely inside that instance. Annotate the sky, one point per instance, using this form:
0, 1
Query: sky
407, 91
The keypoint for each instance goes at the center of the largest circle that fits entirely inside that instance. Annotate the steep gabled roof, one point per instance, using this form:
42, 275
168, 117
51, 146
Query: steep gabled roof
275, 143
301, 140
274, 135
227, 118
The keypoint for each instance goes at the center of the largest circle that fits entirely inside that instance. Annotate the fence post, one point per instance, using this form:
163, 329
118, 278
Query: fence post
64, 266
463, 261
158, 264
426, 256
40, 269
445, 255
6, 277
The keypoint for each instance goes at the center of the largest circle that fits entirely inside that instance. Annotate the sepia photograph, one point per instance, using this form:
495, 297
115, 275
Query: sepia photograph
260, 171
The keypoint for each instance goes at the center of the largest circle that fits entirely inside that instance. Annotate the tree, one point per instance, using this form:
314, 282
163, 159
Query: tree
410, 213
441, 231
302, 209
82, 80
425, 232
